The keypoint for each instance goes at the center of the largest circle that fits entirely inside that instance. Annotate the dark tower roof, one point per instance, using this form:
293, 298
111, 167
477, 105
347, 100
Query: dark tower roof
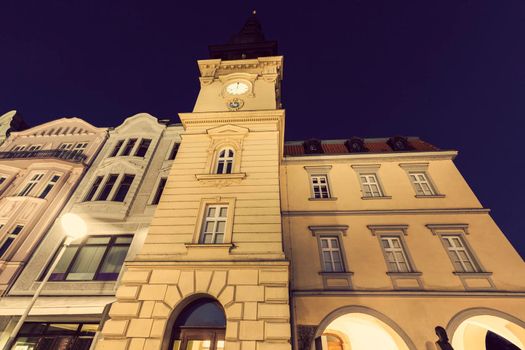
248, 43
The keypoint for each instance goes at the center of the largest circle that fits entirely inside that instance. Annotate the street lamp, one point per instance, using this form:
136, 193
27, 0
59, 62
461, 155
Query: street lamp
74, 227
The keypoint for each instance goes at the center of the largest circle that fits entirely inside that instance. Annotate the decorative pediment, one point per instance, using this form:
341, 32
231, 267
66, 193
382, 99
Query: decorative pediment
120, 165
140, 124
228, 130
62, 126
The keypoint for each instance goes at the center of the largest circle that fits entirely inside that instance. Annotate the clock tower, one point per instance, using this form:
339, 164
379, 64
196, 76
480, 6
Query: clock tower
212, 272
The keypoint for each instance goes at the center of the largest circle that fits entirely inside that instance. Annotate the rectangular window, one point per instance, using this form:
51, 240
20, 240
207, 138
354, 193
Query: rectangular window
370, 185
421, 184
174, 150
395, 255
2, 180
129, 146
78, 149
11, 236
320, 186
52, 182
331, 253
123, 188
108, 186
97, 258
143, 147
117, 148
34, 147
65, 146
63, 336
93, 188
30, 185
214, 224
160, 189
459, 254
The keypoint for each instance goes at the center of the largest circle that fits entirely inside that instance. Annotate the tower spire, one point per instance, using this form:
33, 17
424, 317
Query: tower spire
248, 43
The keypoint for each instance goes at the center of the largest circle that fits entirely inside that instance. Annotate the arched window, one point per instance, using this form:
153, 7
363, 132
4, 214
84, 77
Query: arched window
200, 326
225, 161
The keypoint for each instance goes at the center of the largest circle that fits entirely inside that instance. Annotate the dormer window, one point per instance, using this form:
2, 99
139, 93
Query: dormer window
399, 143
355, 145
312, 146
225, 161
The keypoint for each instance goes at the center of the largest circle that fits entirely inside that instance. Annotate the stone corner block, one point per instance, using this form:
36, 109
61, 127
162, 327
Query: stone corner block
153, 292
124, 309
140, 328
135, 277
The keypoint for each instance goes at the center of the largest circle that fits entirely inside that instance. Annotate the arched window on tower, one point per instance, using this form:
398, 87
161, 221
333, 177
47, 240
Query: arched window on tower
224, 164
200, 326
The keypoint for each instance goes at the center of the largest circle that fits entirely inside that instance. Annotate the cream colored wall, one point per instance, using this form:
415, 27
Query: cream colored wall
34, 213
416, 307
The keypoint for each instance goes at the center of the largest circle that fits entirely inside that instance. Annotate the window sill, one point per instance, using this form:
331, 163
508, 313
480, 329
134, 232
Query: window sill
232, 176
336, 274
323, 199
404, 274
229, 246
430, 196
382, 197
472, 274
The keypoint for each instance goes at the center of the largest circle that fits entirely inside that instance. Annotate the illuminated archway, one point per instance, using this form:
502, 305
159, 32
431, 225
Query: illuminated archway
469, 329
361, 328
199, 324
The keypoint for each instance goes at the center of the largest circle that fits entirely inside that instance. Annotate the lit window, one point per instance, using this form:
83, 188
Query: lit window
123, 188
129, 146
370, 185
34, 335
225, 161
331, 253
160, 189
93, 188
30, 185
421, 184
174, 150
214, 224
52, 182
143, 147
320, 186
108, 186
395, 255
117, 148
459, 254
97, 258
11, 236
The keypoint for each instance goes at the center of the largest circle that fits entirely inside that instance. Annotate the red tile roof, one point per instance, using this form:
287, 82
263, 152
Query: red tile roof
295, 148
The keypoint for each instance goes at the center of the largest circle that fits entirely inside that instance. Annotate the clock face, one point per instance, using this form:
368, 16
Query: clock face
237, 88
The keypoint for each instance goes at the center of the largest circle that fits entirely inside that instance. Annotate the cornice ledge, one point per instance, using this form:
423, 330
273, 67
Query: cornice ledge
328, 228
387, 228
437, 155
386, 212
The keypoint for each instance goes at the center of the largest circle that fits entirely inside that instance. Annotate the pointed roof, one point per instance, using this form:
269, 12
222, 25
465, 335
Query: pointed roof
248, 43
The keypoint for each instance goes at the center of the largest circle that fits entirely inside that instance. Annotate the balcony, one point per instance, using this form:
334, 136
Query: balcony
72, 156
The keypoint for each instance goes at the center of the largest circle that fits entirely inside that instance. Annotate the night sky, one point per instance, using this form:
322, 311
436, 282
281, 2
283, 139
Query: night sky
449, 71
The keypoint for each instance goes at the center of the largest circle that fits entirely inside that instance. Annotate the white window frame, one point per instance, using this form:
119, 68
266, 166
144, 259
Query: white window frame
395, 252
454, 253
214, 219
156, 189
320, 190
332, 251
200, 227
30, 185
226, 160
421, 183
421, 169
368, 172
317, 172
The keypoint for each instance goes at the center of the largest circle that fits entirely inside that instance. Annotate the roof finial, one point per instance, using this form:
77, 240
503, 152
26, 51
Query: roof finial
254, 12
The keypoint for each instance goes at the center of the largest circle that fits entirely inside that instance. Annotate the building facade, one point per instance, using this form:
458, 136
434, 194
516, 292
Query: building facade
218, 235
116, 199
39, 169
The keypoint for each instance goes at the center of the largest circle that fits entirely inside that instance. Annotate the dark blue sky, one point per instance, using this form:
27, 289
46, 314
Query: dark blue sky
449, 71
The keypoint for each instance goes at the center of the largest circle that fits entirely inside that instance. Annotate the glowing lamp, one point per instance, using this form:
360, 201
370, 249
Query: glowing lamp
74, 226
